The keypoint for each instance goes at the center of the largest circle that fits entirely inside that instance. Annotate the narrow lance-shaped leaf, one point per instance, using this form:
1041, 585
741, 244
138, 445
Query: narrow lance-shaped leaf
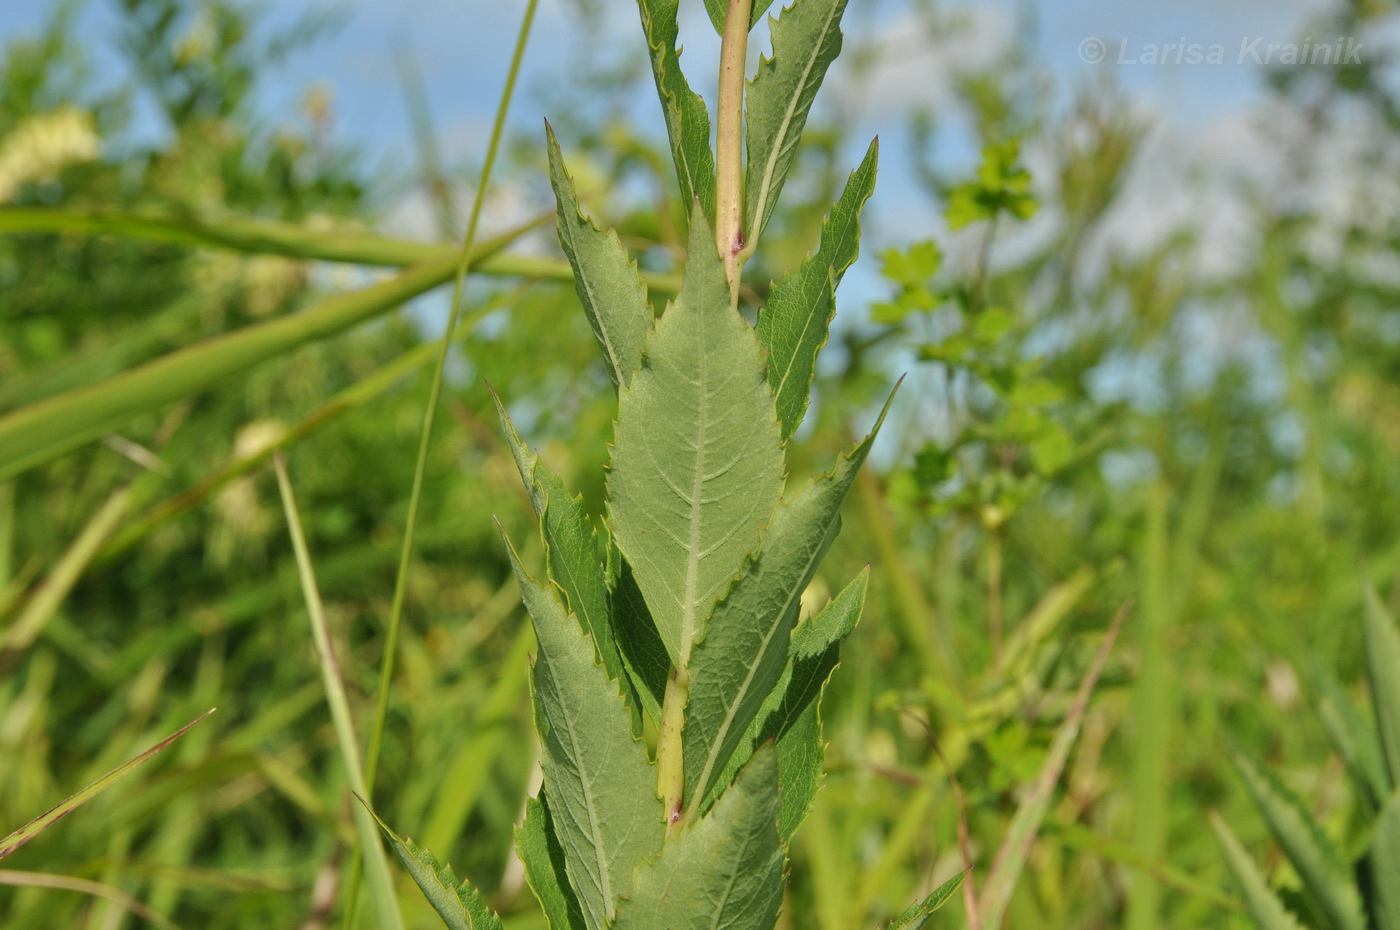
790, 712
1385, 866
605, 276
569, 539
725, 871
601, 786
919, 914
687, 120
806, 40
719, 12
1264, 906
697, 464
745, 648
1354, 739
457, 902
1383, 671
794, 325
1314, 857
41, 823
538, 845
643, 652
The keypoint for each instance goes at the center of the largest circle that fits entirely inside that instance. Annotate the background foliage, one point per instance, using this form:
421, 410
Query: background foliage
1238, 485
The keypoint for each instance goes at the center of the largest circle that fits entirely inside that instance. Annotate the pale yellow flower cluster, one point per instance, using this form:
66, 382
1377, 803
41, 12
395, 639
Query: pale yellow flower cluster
41, 146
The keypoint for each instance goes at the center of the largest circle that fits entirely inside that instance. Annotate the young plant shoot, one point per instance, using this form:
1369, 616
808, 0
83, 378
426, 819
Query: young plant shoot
686, 609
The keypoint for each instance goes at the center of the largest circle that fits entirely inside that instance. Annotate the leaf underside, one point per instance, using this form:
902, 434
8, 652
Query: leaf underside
719, 12
458, 903
724, 871
543, 858
687, 120
697, 465
919, 914
600, 784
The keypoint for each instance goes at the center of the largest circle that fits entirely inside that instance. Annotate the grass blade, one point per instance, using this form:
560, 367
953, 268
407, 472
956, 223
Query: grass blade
1385, 866
381, 883
83, 886
41, 823
1011, 857
1383, 671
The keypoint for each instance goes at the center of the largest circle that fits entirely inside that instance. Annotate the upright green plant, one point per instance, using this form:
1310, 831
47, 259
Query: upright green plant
1336, 894
687, 609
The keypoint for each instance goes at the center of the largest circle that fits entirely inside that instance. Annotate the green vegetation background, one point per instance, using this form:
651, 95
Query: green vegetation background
999, 549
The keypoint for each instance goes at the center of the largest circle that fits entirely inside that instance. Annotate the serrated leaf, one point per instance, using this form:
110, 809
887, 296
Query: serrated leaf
458, 903
919, 914
1264, 906
794, 325
1385, 866
697, 466
719, 12
744, 653
1383, 672
572, 553
1353, 738
806, 40
724, 871
538, 845
1313, 855
605, 276
790, 712
597, 774
642, 650
687, 120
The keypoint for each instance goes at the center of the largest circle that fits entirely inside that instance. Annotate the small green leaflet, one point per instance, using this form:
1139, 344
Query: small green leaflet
719, 12
806, 40
605, 276
1383, 670
543, 858
458, 903
687, 120
697, 465
1264, 906
602, 787
1314, 857
745, 649
919, 914
724, 871
793, 326
1385, 866
569, 541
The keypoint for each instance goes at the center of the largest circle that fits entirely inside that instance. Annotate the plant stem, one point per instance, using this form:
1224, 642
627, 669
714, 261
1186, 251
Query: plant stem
729, 166
670, 759
994, 609
386, 671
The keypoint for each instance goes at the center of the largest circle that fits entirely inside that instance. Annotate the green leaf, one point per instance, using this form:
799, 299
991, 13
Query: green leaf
719, 12
744, 653
605, 276
1383, 672
1354, 738
919, 914
642, 650
601, 786
458, 903
790, 712
572, 549
1313, 855
538, 845
41, 823
806, 40
794, 325
687, 120
697, 466
724, 871
914, 267
1385, 866
1264, 906
1002, 185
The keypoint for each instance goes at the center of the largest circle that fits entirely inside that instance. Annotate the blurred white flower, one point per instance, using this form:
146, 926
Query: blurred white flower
43, 145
